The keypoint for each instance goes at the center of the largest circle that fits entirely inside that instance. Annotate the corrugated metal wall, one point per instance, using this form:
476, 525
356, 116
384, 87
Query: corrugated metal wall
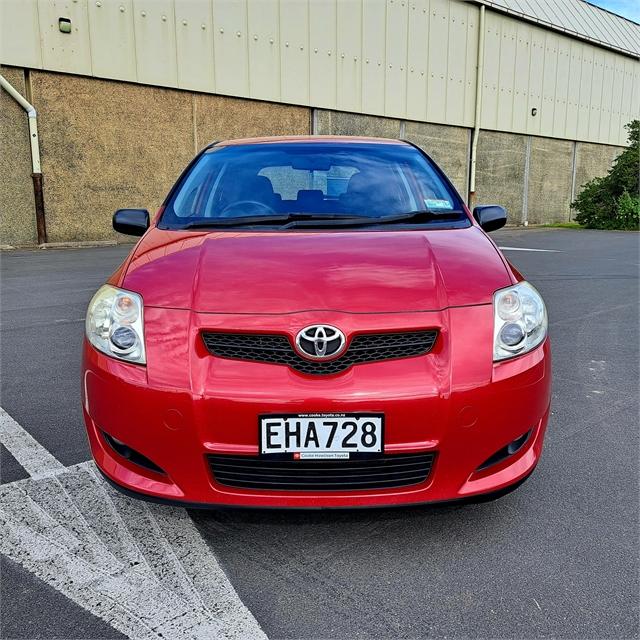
413, 59
580, 91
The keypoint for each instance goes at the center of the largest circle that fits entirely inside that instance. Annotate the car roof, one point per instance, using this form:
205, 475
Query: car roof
307, 139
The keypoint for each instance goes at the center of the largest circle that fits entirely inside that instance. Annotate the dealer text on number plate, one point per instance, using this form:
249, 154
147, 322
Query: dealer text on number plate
321, 435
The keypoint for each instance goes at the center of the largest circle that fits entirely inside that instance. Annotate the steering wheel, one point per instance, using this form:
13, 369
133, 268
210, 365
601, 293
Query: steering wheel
245, 207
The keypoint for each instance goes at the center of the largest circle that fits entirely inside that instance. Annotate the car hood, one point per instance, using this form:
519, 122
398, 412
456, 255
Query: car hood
276, 272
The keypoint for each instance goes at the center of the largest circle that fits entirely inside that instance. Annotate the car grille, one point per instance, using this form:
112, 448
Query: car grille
379, 472
276, 349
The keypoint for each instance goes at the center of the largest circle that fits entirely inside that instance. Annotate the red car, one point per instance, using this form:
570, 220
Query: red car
315, 322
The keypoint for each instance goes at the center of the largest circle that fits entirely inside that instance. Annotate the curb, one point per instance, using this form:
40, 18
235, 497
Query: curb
82, 244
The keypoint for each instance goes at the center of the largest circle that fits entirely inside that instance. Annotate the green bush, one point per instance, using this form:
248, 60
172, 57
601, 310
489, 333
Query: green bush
613, 201
628, 213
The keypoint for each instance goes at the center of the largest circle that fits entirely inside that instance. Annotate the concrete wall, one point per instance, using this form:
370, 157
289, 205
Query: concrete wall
549, 184
339, 123
510, 164
221, 118
17, 212
107, 145
448, 146
500, 171
593, 161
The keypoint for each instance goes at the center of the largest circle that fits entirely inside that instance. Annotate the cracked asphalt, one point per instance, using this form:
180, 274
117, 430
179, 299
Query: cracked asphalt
558, 558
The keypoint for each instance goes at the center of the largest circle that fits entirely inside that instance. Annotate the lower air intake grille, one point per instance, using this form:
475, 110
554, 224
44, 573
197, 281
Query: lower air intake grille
380, 472
276, 349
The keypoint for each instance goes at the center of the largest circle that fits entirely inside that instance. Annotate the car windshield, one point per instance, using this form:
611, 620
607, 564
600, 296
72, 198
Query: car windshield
312, 184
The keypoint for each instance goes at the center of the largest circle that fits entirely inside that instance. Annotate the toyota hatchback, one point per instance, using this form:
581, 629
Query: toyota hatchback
315, 322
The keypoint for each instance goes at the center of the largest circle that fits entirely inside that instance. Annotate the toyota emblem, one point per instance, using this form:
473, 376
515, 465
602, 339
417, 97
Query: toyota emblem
320, 342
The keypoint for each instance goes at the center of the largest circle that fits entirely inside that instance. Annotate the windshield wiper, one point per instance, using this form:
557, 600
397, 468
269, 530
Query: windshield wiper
291, 220
243, 221
360, 221
204, 223
423, 215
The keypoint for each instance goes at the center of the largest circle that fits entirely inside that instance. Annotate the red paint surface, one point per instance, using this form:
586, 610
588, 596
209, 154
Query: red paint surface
284, 272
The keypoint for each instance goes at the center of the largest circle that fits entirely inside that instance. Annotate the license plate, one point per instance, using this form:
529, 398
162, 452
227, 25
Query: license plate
321, 435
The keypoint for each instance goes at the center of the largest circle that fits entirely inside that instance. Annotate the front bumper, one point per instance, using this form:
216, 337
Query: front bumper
187, 404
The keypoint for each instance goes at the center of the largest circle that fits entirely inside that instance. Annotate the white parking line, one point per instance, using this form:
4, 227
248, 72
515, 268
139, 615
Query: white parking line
35, 459
144, 569
525, 249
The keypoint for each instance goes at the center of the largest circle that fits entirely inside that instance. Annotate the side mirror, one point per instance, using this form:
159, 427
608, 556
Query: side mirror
133, 222
490, 216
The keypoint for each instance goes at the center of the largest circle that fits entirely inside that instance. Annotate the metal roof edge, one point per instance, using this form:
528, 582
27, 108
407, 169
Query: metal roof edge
500, 8
611, 13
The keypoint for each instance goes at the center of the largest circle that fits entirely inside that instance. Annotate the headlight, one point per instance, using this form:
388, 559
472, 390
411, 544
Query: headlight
519, 321
114, 324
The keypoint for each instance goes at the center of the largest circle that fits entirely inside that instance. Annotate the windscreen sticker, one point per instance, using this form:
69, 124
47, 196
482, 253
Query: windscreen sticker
437, 204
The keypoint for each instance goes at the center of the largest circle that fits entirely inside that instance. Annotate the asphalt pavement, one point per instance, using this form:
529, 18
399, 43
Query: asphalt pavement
556, 558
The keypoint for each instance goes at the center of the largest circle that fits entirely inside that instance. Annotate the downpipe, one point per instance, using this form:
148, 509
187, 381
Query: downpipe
36, 169
478, 111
